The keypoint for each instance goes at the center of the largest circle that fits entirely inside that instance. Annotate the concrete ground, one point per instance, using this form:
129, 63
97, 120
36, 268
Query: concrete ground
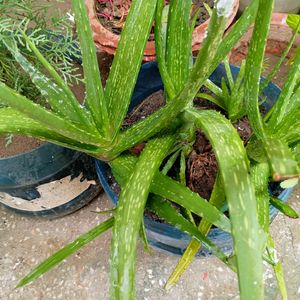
25, 242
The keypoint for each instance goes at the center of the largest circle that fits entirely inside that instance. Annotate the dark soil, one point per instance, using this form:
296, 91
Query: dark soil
105, 61
20, 144
146, 108
204, 15
114, 17
201, 164
201, 167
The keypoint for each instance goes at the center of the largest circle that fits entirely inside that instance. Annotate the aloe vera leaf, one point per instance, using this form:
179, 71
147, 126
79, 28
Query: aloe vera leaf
54, 95
167, 212
290, 121
284, 208
80, 113
199, 73
15, 122
225, 91
179, 42
228, 73
212, 99
282, 105
208, 9
66, 251
144, 238
239, 190
170, 189
182, 169
277, 267
275, 69
254, 65
95, 100
153, 124
53, 122
281, 159
260, 176
129, 214
160, 31
217, 199
127, 61
236, 32
213, 88
170, 162
236, 104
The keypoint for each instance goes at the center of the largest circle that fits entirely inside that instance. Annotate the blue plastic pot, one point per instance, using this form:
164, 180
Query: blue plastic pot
161, 235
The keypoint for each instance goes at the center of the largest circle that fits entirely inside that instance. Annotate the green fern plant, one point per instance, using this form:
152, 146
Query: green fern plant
95, 128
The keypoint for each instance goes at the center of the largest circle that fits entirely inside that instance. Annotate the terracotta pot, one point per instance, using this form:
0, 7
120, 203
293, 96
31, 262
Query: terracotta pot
285, 6
279, 37
107, 41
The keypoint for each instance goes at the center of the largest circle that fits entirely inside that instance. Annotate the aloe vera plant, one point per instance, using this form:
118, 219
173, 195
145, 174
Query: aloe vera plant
95, 128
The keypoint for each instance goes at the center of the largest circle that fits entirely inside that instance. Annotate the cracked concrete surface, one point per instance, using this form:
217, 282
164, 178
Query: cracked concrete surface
26, 242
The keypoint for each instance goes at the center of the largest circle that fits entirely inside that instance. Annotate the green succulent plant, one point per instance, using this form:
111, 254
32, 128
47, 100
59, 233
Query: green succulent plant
95, 128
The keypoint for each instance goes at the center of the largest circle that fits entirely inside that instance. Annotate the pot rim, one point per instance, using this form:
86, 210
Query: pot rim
106, 40
165, 236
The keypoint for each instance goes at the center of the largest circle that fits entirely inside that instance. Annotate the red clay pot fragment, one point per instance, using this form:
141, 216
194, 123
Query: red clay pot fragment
279, 37
107, 41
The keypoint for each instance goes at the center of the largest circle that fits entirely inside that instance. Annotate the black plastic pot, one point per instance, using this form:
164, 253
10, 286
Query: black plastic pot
49, 181
161, 235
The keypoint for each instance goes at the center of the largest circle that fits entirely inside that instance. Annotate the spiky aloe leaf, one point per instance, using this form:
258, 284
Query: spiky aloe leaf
170, 189
13, 121
236, 105
66, 251
52, 121
233, 164
199, 73
217, 198
128, 57
179, 42
144, 238
284, 208
72, 101
160, 31
254, 65
171, 161
129, 214
168, 213
293, 21
59, 101
289, 127
95, 99
234, 35
277, 267
260, 176
285, 102
281, 159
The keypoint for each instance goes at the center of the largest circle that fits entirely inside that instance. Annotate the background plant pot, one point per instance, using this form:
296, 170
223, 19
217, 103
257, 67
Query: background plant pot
161, 235
279, 37
49, 181
107, 41
286, 6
